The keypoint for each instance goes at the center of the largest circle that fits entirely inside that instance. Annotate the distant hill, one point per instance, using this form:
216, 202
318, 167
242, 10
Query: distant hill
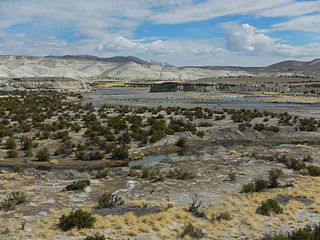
308, 68
132, 68
117, 59
290, 66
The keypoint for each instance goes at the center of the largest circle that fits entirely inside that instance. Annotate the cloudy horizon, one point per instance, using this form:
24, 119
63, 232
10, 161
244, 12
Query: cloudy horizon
185, 32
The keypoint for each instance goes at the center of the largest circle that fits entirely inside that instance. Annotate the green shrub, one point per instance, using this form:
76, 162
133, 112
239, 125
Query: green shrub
313, 171
248, 188
89, 156
17, 197
28, 154
14, 198
205, 124
108, 200
7, 205
200, 134
27, 143
79, 218
222, 215
192, 231
79, 185
95, 237
260, 185
10, 143
305, 233
157, 135
181, 142
268, 207
180, 174
274, 174
120, 153
242, 127
43, 155
12, 153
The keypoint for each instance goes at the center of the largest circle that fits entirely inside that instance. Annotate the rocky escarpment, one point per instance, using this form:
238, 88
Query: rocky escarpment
234, 87
60, 84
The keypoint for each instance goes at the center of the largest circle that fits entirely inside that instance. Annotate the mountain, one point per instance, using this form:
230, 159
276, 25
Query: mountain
307, 68
88, 68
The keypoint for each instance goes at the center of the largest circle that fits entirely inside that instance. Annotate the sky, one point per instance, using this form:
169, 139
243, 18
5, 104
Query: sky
180, 32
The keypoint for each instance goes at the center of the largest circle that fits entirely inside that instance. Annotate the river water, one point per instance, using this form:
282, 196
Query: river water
142, 97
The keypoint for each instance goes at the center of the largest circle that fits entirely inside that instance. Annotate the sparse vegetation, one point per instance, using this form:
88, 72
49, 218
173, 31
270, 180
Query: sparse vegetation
108, 200
269, 207
78, 218
78, 185
192, 231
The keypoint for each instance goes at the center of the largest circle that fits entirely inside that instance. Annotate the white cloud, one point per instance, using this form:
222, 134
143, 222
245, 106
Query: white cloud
250, 40
310, 23
214, 8
108, 27
161, 47
292, 9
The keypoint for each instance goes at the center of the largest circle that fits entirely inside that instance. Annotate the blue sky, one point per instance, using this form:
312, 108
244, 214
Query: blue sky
181, 32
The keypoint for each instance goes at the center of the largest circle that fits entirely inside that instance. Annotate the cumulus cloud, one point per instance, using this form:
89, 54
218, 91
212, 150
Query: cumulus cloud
121, 44
106, 28
248, 39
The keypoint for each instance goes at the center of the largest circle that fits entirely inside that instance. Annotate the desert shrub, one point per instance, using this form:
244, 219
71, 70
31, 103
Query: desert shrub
250, 187
232, 176
43, 155
181, 142
27, 143
28, 154
120, 153
222, 215
157, 135
12, 153
257, 186
308, 124
89, 156
13, 199
242, 127
260, 127
192, 231
79, 185
200, 134
313, 171
66, 148
95, 237
268, 207
220, 117
181, 174
305, 233
107, 200
274, 174
205, 124
110, 137
10, 143
7, 205
17, 197
125, 138
79, 218
260, 185
15, 169
102, 174
196, 207
148, 174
